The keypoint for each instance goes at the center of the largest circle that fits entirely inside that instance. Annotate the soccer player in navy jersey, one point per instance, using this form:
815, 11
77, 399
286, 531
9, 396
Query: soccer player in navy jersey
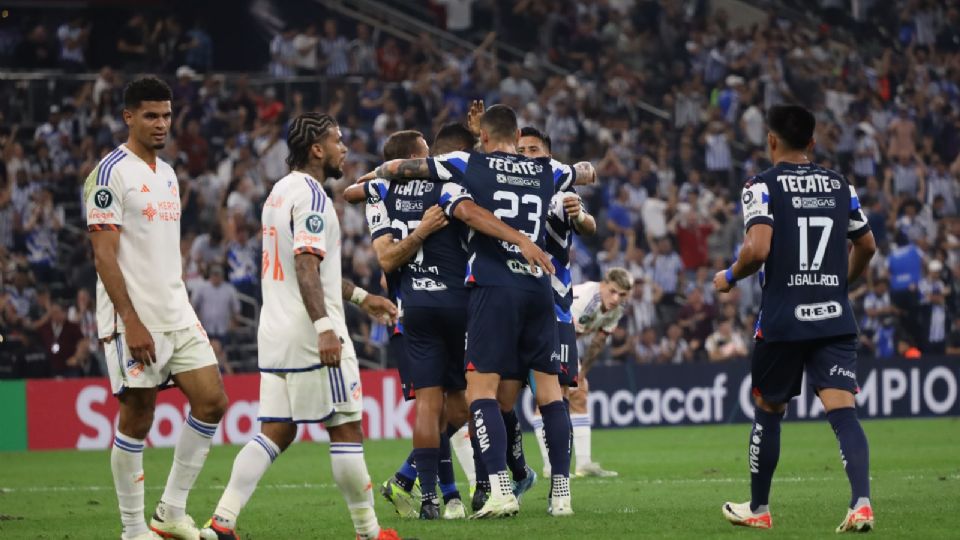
511, 324
433, 297
798, 219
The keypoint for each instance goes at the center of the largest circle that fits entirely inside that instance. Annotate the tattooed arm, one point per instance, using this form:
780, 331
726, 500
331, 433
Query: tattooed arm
311, 290
399, 170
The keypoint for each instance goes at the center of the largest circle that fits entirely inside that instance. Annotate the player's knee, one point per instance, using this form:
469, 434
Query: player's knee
211, 410
281, 433
136, 422
351, 432
770, 407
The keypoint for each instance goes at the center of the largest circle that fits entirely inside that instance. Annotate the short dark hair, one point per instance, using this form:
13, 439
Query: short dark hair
793, 124
401, 144
500, 122
145, 89
306, 130
531, 131
453, 137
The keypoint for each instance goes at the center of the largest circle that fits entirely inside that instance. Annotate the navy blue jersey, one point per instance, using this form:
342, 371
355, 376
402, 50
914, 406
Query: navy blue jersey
559, 235
518, 191
813, 211
434, 277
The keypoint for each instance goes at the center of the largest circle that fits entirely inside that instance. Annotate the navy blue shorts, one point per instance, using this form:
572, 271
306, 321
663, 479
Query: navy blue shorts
435, 343
567, 351
511, 331
397, 356
777, 368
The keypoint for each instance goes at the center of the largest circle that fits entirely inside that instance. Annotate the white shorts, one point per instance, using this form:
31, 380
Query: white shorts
332, 396
177, 351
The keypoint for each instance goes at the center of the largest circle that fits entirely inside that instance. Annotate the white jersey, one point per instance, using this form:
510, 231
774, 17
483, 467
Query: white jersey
298, 217
587, 310
123, 193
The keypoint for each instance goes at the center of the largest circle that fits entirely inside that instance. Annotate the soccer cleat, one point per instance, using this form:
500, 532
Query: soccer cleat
149, 535
560, 506
594, 469
182, 528
741, 514
404, 502
523, 486
479, 499
498, 507
429, 510
859, 519
454, 509
387, 534
212, 530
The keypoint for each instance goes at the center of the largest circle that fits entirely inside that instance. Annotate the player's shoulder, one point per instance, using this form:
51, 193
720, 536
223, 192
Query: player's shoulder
164, 167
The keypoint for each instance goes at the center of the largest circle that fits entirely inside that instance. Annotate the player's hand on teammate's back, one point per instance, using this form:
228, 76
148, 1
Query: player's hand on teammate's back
536, 256
329, 345
139, 341
433, 220
720, 282
380, 308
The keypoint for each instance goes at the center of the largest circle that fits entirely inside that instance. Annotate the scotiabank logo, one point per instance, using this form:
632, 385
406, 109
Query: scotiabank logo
82, 413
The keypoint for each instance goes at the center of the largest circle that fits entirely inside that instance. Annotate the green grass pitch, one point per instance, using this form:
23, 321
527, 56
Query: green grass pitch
672, 483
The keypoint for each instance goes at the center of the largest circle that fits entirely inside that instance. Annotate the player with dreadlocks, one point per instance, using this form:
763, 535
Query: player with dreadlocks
308, 368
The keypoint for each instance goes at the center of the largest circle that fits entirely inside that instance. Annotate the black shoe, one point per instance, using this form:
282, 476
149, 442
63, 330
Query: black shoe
429, 509
479, 499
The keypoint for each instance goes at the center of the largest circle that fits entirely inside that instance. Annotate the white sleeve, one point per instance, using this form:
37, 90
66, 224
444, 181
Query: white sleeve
309, 225
857, 226
451, 195
756, 204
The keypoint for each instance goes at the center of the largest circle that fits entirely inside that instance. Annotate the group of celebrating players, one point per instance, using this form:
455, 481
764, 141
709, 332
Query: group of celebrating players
474, 243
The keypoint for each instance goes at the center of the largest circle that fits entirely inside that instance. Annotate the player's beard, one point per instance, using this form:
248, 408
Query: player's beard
331, 170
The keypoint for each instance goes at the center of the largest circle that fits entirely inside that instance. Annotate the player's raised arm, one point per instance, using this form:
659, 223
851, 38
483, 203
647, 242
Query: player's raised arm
444, 168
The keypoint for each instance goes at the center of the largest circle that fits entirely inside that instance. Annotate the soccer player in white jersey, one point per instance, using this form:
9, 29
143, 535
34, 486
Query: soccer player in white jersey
150, 332
308, 368
596, 309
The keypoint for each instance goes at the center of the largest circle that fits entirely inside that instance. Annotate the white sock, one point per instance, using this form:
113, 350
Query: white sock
501, 484
541, 441
350, 475
460, 442
126, 462
188, 457
248, 467
581, 438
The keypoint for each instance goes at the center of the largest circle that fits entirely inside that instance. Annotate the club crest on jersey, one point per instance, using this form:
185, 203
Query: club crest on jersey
103, 198
747, 197
134, 367
314, 223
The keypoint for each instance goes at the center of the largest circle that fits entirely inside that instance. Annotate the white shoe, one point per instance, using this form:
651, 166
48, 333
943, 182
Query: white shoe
560, 506
182, 528
454, 510
741, 514
594, 469
859, 519
149, 535
499, 507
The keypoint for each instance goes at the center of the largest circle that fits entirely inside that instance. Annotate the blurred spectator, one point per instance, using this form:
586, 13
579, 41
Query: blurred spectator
65, 345
132, 44
724, 343
648, 348
335, 49
934, 312
674, 349
459, 15
195, 146
36, 51
363, 52
42, 222
73, 37
283, 53
905, 265
217, 304
696, 319
306, 43
197, 48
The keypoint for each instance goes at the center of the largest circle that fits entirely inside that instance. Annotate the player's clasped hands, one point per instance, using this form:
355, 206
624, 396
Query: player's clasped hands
330, 346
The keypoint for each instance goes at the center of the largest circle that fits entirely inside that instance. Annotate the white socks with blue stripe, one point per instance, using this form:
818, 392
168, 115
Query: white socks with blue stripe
350, 475
253, 460
581, 438
188, 457
126, 461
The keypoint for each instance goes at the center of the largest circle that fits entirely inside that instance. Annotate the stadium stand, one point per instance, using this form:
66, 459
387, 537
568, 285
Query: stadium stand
665, 98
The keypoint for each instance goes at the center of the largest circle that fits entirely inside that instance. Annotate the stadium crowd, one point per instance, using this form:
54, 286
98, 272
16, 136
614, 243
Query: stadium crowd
667, 99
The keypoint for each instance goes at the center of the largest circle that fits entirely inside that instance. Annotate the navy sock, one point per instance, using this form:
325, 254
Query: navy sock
516, 461
490, 434
426, 460
763, 455
556, 433
445, 474
854, 451
407, 473
483, 479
